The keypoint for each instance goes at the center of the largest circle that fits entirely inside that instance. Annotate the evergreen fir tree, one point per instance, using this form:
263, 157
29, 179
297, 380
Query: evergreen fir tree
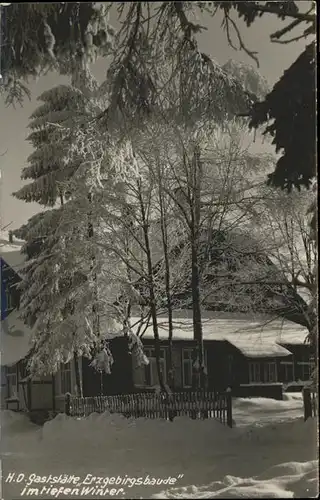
58, 290
51, 163
64, 32
68, 290
57, 276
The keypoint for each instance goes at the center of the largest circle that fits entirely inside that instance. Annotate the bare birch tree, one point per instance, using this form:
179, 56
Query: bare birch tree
126, 215
269, 264
208, 180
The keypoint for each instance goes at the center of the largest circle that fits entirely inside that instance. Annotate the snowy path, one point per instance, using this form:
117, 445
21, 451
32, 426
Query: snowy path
205, 453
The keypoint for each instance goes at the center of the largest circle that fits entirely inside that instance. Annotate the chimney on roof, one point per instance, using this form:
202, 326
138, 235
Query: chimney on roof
10, 237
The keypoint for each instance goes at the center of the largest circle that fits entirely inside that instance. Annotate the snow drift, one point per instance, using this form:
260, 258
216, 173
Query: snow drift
272, 457
290, 480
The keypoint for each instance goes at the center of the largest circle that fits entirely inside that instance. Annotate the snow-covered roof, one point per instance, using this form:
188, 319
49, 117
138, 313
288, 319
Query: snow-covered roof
259, 349
15, 339
232, 327
10, 252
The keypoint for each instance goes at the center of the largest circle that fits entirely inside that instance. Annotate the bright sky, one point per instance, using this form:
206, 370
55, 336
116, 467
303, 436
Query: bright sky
273, 58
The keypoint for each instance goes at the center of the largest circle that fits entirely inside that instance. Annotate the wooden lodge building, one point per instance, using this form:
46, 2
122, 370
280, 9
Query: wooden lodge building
251, 354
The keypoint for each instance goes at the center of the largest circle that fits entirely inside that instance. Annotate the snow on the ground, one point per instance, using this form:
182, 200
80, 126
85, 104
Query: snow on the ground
268, 458
290, 480
260, 411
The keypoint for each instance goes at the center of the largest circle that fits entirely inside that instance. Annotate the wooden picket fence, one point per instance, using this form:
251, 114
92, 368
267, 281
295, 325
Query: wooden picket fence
152, 405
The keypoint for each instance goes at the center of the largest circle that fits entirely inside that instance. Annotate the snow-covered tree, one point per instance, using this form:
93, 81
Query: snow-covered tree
207, 179
52, 163
267, 264
174, 29
184, 92
128, 228
158, 67
249, 76
233, 265
160, 75
60, 286
162, 189
282, 227
64, 32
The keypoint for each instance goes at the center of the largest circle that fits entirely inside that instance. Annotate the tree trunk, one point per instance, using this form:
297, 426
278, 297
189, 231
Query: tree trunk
197, 320
198, 372
101, 384
314, 306
152, 299
96, 326
78, 376
75, 356
163, 222
171, 380
22, 375
127, 217
95, 314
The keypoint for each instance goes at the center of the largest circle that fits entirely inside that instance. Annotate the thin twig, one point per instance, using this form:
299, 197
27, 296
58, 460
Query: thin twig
242, 46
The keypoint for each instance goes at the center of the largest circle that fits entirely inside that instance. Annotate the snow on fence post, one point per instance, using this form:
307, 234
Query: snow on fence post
229, 407
67, 405
307, 405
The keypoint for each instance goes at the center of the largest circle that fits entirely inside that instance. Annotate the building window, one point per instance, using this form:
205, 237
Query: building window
305, 370
151, 374
254, 373
12, 381
187, 359
288, 371
270, 372
9, 300
305, 367
65, 378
